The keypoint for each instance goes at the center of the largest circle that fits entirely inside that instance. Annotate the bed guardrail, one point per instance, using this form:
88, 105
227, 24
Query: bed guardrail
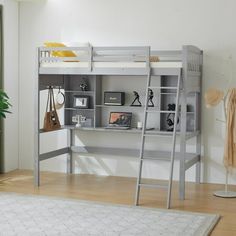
122, 54
50, 55
168, 55
95, 54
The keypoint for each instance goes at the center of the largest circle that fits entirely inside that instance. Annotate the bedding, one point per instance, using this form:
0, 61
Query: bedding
59, 53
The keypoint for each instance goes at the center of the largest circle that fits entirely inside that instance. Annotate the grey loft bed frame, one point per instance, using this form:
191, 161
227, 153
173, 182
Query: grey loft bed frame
191, 73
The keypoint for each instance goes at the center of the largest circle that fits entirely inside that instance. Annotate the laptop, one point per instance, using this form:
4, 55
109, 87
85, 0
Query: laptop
120, 120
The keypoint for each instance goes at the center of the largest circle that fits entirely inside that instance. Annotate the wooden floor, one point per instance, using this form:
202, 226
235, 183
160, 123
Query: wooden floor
121, 190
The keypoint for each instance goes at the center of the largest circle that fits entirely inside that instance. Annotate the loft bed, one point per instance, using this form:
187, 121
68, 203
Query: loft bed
185, 64
124, 61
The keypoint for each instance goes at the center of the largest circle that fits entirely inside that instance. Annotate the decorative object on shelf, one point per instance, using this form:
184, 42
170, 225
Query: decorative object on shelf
150, 97
80, 119
84, 86
171, 117
81, 102
212, 98
60, 99
139, 125
51, 120
114, 98
136, 100
4, 104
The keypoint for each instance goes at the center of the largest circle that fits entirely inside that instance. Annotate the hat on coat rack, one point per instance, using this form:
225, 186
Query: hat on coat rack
213, 97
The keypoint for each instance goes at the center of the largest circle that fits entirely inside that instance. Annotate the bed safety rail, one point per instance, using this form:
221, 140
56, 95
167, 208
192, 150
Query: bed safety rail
168, 55
95, 54
81, 54
122, 54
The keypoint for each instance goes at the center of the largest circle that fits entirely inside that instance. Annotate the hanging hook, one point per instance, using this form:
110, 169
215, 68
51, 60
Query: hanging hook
59, 104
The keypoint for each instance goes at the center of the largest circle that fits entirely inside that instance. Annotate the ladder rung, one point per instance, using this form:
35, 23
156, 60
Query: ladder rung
165, 134
153, 186
162, 87
155, 159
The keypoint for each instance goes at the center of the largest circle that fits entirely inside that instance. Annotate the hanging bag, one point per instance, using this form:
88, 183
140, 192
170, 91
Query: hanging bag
51, 120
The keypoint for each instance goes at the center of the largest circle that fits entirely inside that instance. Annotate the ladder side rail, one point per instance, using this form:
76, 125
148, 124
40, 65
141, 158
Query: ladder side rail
174, 141
142, 140
183, 130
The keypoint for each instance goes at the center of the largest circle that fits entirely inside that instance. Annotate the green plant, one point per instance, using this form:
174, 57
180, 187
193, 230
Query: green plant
4, 104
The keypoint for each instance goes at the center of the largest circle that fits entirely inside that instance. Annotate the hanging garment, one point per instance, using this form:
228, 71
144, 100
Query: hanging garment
230, 141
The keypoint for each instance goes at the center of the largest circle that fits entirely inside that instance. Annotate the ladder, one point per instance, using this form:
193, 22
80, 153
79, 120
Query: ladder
142, 158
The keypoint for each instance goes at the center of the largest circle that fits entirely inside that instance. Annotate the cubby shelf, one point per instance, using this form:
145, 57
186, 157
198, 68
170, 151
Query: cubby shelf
79, 92
120, 107
79, 109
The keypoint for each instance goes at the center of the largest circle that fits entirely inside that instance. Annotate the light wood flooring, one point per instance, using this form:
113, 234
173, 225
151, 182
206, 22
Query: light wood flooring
121, 190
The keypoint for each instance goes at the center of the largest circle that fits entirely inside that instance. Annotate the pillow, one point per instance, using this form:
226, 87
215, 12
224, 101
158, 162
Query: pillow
59, 53
79, 44
154, 59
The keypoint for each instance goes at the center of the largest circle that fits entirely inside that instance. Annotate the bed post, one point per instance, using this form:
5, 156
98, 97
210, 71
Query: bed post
198, 139
69, 155
183, 127
36, 128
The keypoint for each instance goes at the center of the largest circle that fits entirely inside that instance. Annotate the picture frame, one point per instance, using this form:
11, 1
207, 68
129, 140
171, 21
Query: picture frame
81, 102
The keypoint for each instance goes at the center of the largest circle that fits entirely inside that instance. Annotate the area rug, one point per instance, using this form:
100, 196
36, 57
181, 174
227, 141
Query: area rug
25, 215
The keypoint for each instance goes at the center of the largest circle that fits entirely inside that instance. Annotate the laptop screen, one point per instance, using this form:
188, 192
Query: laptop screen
120, 119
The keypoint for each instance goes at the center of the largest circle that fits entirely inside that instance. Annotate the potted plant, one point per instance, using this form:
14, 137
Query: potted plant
4, 104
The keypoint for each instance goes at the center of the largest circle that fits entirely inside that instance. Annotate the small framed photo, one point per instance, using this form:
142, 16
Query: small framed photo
81, 102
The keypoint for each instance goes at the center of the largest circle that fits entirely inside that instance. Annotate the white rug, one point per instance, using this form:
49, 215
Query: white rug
25, 215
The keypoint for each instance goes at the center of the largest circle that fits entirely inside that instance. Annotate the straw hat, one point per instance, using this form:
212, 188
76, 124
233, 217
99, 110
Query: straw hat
213, 97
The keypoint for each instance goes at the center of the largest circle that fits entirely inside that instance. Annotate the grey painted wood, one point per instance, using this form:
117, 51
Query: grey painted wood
106, 71
69, 162
198, 164
158, 186
55, 153
151, 133
36, 132
190, 163
173, 151
141, 153
183, 128
154, 154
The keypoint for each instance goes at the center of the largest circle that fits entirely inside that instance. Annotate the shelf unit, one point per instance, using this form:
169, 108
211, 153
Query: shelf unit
98, 112
70, 78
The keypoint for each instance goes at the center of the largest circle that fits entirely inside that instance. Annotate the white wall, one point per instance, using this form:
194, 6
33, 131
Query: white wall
11, 134
163, 25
